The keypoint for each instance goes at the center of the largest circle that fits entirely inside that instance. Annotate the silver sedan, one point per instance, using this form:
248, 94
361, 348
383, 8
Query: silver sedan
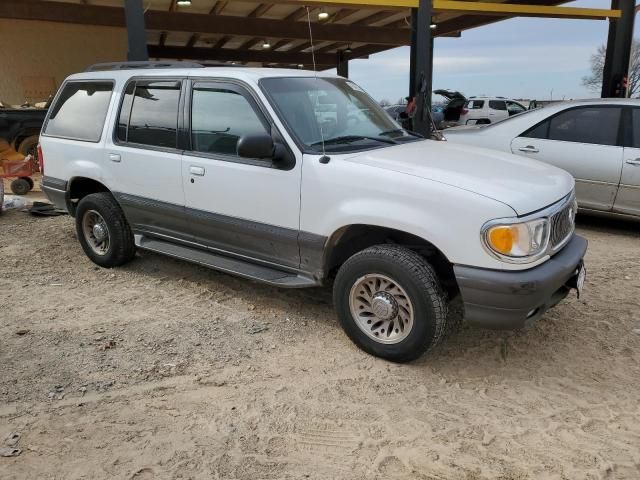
597, 141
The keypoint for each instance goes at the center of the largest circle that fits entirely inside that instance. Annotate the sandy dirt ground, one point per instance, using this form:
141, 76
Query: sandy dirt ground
165, 370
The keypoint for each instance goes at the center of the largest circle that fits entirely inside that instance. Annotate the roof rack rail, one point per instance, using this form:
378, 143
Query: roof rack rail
99, 67
221, 64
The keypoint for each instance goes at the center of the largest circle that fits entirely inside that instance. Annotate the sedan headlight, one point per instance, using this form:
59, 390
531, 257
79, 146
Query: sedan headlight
517, 242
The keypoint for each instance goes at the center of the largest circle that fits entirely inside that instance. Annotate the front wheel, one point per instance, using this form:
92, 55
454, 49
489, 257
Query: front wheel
103, 231
390, 302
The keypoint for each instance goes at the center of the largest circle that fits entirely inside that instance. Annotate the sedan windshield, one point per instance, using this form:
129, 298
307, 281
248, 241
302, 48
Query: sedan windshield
332, 113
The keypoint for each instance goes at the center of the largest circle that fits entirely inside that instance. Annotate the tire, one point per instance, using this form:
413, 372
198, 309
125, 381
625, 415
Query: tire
29, 146
20, 186
417, 292
99, 217
30, 182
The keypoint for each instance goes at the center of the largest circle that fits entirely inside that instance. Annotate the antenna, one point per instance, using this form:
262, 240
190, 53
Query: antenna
324, 158
313, 50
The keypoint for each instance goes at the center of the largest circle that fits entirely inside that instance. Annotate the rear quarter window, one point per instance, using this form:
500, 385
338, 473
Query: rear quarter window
80, 110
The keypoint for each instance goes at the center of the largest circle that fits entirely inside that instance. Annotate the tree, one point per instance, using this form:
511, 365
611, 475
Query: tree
593, 82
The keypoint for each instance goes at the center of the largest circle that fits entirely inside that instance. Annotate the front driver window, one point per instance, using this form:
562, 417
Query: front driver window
219, 117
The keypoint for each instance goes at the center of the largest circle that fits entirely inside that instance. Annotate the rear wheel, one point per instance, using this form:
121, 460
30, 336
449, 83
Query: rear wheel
103, 231
390, 302
30, 182
20, 186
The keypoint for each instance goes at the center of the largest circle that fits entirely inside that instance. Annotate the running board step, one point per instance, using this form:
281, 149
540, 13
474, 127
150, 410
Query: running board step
225, 264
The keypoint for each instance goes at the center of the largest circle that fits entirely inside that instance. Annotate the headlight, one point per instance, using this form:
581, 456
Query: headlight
517, 242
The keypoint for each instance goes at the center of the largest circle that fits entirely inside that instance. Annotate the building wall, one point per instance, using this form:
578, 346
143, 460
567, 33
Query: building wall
35, 57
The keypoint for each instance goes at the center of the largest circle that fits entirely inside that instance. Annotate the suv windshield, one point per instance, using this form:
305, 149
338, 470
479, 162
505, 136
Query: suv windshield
332, 111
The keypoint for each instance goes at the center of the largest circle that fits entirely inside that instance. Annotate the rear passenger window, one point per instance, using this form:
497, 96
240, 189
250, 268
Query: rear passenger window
595, 125
497, 104
80, 111
475, 104
149, 114
539, 131
636, 127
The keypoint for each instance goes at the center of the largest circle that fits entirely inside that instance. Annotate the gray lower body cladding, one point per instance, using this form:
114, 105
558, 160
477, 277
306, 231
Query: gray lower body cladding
510, 300
55, 190
269, 244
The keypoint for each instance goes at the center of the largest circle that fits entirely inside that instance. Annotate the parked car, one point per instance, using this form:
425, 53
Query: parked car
437, 113
394, 111
461, 110
21, 126
229, 168
597, 141
452, 106
483, 110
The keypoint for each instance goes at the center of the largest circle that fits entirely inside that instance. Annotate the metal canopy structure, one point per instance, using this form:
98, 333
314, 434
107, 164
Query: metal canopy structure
275, 33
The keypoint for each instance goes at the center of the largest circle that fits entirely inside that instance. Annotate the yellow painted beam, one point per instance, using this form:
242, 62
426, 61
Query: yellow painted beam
370, 4
508, 9
472, 8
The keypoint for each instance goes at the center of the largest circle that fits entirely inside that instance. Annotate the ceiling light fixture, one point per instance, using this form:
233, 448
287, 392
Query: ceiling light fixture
183, 3
348, 49
266, 45
323, 15
433, 26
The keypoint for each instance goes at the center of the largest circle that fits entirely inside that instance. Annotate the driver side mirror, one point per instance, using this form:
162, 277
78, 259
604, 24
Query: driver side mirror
256, 146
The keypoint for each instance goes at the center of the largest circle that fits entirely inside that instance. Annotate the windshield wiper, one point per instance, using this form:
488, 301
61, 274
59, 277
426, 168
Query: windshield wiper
395, 130
354, 138
401, 130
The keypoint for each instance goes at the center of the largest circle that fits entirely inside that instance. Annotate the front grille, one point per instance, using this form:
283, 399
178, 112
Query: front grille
562, 224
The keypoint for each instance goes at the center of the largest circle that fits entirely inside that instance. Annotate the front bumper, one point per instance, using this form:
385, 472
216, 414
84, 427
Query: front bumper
510, 300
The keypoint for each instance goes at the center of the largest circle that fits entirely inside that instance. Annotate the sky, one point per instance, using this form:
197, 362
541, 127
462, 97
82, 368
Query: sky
532, 58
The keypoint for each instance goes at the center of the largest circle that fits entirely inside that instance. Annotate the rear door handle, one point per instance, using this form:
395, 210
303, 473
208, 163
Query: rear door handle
529, 149
199, 171
115, 157
635, 161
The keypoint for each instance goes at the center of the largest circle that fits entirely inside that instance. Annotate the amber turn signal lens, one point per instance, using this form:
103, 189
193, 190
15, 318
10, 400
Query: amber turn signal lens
503, 238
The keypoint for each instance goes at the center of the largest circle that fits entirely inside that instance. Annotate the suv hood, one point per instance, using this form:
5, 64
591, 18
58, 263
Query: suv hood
525, 185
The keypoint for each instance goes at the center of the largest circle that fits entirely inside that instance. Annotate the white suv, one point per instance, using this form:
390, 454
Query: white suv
482, 110
238, 169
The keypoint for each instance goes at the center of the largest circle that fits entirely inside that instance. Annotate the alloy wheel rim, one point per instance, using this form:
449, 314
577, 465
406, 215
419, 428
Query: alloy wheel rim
96, 232
381, 308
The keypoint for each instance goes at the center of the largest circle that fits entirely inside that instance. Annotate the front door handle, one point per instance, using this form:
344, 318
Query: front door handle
115, 157
199, 171
635, 161
529, 149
